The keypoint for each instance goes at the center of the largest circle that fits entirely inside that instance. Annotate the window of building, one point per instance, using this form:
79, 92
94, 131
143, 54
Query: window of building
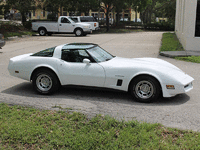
197, 29
34, 13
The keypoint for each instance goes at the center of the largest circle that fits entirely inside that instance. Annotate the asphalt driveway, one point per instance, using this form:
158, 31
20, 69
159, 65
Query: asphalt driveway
181, 111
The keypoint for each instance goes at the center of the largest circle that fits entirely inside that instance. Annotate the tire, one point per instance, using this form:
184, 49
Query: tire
45, 82
145, 89
78, 32
42, 31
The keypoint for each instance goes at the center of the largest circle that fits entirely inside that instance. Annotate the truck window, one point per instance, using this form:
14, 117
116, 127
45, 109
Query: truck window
87, 19
64, 20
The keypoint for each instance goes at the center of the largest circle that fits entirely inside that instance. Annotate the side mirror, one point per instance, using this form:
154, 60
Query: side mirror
86, 61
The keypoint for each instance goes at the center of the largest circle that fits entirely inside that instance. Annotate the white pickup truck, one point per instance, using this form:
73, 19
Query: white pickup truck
63, 25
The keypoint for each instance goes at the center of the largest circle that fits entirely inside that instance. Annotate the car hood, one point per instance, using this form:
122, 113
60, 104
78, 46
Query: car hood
141, 62
154, 66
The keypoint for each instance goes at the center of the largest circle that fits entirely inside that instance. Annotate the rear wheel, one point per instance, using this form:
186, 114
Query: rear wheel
42, 31
78, 32
145, 89
45, 82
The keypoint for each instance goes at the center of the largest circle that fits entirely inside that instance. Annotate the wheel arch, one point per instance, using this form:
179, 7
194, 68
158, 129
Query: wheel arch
42, 27
77, 28
43, 68
146, 74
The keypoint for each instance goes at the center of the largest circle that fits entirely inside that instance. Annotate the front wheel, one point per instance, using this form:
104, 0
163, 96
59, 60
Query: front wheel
78, 32
145, 89
45, 82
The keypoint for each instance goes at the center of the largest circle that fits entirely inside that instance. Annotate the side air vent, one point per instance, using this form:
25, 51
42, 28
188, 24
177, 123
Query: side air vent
119, 82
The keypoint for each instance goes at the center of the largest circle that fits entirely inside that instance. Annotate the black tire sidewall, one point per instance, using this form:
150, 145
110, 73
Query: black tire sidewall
155, 84
55, 82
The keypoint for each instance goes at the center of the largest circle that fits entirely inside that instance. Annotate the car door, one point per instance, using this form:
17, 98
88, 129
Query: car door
65, 25
73, 71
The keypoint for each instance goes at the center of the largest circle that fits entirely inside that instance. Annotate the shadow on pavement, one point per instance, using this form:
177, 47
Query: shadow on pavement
63, 35
77, 93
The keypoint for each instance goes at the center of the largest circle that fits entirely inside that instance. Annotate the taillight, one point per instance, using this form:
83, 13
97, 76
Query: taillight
95, 24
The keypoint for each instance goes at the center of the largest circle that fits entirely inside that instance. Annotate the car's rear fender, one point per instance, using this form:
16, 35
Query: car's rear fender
43, 67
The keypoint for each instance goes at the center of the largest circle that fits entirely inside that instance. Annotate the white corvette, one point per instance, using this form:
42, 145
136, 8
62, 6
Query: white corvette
87, 64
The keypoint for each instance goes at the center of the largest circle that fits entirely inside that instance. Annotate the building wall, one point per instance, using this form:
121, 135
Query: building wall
39, 14
185, 24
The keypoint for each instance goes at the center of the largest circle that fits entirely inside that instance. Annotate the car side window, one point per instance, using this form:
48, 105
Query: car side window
45, 53
64, 20
74, 55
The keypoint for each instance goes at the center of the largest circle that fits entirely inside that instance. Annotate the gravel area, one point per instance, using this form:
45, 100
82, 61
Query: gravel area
181, 111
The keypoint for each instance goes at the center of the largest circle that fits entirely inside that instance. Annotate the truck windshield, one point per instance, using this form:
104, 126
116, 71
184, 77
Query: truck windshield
74, 19
70, 20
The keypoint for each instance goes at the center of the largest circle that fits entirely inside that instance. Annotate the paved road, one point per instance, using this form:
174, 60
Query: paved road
181, 111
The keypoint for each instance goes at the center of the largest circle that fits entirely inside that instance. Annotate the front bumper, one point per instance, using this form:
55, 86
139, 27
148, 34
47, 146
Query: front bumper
88, 31
2, 43
97, 28
183, 87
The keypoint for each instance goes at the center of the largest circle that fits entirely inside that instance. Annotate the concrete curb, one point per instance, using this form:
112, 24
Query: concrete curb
173, 54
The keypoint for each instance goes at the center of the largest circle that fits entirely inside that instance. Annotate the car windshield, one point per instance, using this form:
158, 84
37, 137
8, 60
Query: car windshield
99, 54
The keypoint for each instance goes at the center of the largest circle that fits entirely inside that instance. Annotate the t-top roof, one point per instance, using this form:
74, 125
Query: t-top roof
79, 46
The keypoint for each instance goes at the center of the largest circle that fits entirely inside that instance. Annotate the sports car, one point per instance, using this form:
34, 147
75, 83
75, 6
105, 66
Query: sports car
87, 64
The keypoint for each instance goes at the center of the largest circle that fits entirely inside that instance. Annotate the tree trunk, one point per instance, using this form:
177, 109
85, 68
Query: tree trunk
107, 18
117, 18
136, 14
23, 17
107, 21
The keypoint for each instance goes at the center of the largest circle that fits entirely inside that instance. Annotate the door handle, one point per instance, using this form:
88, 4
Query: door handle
60, 24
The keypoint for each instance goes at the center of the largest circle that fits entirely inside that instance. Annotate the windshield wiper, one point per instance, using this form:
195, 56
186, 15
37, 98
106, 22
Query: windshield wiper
108, 59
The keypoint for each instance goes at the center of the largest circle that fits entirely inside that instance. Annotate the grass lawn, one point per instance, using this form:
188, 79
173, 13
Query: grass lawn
195, 59
29, 128
19, 34
171, 43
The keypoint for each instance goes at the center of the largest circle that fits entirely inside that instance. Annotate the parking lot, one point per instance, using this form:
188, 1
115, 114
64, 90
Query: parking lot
181, 111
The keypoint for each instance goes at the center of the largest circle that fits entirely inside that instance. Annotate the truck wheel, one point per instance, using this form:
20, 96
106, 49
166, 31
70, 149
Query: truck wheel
78, 32
42, 31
